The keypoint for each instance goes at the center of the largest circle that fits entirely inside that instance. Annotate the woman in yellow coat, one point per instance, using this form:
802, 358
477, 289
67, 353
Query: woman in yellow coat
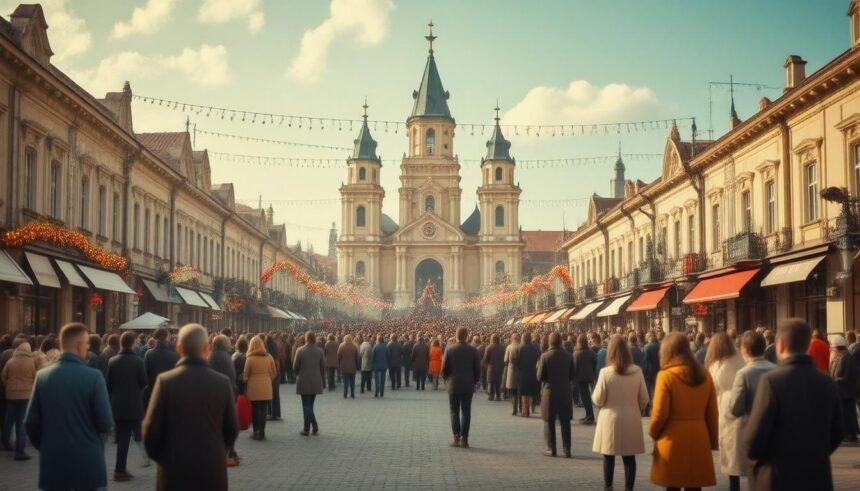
259, 373
684, 420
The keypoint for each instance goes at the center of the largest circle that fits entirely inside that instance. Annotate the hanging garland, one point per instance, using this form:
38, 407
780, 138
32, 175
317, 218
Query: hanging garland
529, 288
48, 232
345, 293
183, 274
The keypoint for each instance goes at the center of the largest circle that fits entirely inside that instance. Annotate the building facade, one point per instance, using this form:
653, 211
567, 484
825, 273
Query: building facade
736, 232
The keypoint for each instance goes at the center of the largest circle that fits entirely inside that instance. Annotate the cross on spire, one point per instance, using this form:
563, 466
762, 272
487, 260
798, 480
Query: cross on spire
497, 110
365, 106
430, 37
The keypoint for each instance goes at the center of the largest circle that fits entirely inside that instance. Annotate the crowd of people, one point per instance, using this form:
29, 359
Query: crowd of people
774, 405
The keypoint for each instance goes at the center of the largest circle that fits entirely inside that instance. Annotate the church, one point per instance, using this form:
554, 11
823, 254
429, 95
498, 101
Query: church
430, 243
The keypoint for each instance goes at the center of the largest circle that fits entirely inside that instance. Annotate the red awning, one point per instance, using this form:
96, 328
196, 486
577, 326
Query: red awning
648, 300
720, 288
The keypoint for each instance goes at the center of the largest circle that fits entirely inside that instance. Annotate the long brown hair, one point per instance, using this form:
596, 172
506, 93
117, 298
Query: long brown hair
618, 354
675, 350
720, 348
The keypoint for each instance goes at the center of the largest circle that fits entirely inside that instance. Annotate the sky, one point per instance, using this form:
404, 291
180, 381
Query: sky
548, 62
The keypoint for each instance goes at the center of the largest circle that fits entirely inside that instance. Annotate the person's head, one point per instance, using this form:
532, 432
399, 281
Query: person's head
515, 338
49, 343
494, 338
527, 338
75, 339
582, 342
221, 342
227, 332
700, 339
753, 345
331, 337
436, 343
792, 337
675, 350
161, 334
242, 344
310, 337
347, 339
838, 343
126, 341
618, 354
851, 337
721, 348
816, 333
462, 334
632, 341
380, 339
113, 341
769, 338
95, 343
193, 341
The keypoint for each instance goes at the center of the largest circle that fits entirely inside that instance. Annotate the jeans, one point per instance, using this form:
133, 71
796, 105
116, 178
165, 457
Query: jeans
349, 384
15, 410
124, 429
308, 412
394, 375
549, 433
366, 377
420, 379
629, 470
258, 416
331, 373
585, 397
379, 381
461, 403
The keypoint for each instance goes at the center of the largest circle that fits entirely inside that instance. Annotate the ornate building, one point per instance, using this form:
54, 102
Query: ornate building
430, 243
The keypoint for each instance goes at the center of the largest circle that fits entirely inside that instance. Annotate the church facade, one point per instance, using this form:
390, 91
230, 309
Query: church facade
430, 243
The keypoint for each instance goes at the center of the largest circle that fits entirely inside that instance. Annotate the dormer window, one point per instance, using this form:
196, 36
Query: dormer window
430, 141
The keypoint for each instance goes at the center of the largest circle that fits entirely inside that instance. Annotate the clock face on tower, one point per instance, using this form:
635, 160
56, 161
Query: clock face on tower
429, 230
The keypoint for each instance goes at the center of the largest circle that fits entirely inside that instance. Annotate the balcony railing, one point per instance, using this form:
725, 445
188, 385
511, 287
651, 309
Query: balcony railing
586, 292
650, 271
745, 246
630, 280
610, 285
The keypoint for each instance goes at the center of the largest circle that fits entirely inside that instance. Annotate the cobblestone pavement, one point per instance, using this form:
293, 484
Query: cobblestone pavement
401, 442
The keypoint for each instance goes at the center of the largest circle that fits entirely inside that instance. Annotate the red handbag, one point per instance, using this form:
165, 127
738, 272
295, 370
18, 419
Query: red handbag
243, 412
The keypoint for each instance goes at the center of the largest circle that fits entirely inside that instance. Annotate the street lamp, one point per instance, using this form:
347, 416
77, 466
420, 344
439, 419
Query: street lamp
845, 236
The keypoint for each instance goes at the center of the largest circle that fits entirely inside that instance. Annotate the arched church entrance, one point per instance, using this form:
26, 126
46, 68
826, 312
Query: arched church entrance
429, 270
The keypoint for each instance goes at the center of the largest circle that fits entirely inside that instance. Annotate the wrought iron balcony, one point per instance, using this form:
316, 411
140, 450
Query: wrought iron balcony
745, 246
650, 271
693, 263
610, 285
630, 280
586, 292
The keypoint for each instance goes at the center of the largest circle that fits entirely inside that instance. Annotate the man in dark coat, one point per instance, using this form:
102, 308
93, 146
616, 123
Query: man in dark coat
555, 370
68, 415
461, 368
527, 382
652, 366
420, 362
109, 352
221, 361
494, 365
795, 421
158, 360
586, 373
126, 379
395, 363
310, 368
479, 343
379, 363
191, 420
331, 363
407, 358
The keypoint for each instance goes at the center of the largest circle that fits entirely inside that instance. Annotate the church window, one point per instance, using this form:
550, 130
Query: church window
359, 216
362, 174
500, 216
359, 269
498, 173
500, 269
429, 203
430, 141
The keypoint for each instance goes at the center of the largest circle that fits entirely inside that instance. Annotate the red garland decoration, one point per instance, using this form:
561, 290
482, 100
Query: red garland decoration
528, 288
48, 232
322, 289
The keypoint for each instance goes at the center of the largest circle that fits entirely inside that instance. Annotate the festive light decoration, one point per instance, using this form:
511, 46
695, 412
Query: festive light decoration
538, 203
53, 234
183, 274
96, 301
504, 294
345, 293
267, 140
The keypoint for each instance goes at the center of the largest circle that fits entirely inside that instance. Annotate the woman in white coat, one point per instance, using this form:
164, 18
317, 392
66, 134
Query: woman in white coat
621, 395
724, 362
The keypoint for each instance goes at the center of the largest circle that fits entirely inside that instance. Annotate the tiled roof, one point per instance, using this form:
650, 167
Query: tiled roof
543, 240
684, 148
167, 145
604, 204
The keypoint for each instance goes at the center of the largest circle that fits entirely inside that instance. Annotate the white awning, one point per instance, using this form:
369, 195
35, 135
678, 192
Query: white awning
105, 280
554, 317
10, 271
211, 301
791, 272
510, 321
146, 322
614, 306
42, 269
586, 311
278, 313
299, 317
71, 274
161, 293
191, 297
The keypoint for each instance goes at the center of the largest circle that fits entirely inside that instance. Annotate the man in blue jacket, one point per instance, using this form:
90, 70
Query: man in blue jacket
380, 365
67, 416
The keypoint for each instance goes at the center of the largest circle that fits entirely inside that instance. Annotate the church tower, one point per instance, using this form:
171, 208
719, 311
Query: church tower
361, 208
617, 184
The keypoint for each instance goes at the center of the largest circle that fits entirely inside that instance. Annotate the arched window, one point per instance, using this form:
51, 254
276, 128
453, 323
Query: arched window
498, 173
500, 216
359, 216
431, 141
362, 174
359, 269
500, 269
429, 203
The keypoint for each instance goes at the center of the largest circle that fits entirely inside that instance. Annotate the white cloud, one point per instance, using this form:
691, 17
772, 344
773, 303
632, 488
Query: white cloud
206, 67
582, 102
223, 11
67, 32
145, 20
367, 20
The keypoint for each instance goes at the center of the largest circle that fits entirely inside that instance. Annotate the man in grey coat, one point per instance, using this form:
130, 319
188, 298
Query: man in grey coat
331, 363
365, 352
309, 366
494, 366
461, 368
747, 379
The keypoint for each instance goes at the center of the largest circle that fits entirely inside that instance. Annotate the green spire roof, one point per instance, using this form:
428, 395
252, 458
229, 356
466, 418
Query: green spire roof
431, 99
472, 225
498, 148
365, 145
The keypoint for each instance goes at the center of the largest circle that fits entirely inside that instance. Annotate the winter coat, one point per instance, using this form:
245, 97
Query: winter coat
260, 371
652, 361
126, 379
239, 359
365, 352
555, 370
684, 425
347, 358
743, 393
421, 357
820, 353
435, 360
586, 365
494, 360
380, 357
309, 365
621, 399
221, 362
395, 354
19, 374
732, 461
461, 368
331, 354
527, 360
407, 354
511, 354
844, 372
157, 361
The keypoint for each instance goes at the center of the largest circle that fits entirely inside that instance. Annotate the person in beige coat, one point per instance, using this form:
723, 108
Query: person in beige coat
260, 371
621, 394
723, 363
511, 354
17, 377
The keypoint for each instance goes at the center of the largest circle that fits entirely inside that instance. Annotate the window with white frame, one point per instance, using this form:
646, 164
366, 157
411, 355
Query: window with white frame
770, 206
715, 227
146, 233
810, 173
691, 233
677, 233
746, 210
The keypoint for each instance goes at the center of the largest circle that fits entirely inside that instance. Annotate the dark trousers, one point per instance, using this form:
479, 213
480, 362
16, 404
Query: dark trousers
406, 371
394, 375
515, 400
849, 419
365, 380
275, 403
495, 391
15, 410
484, 378
629, 470
331, 373
124, 429
585, 397
461, 414
349, 384
649, 384
379, 381
420, 379
291, 377
549, 433
258, 415
308, 412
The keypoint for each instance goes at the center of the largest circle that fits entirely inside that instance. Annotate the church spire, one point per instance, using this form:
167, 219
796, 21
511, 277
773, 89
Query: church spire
498, 148
431, 98
365, 145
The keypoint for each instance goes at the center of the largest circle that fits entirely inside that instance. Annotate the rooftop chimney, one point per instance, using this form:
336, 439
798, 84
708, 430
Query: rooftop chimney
795, 72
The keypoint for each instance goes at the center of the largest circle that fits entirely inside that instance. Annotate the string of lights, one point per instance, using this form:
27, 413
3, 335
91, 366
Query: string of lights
266, 140
541, 203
